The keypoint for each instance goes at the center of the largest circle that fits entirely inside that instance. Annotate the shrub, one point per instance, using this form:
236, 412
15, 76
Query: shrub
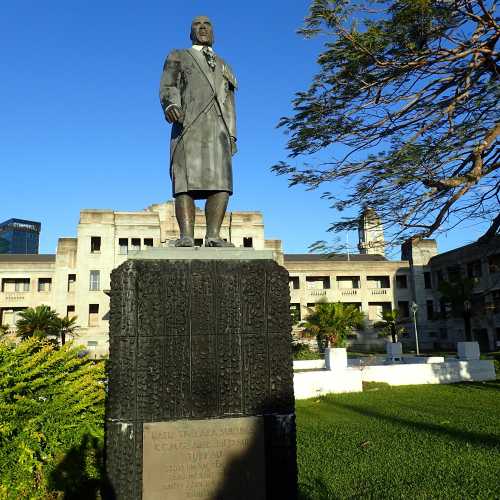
301, 350
51, 421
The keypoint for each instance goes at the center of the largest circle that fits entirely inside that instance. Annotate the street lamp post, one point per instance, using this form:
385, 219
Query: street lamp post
414, 309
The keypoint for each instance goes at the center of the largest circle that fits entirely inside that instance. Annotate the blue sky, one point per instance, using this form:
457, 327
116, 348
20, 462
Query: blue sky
81, 125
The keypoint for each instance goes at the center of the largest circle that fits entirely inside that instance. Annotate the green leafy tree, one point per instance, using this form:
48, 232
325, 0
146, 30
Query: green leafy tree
333, 323
407, 98
458, 294
66, 326
51, 421
40, 321
4, 329
391, 325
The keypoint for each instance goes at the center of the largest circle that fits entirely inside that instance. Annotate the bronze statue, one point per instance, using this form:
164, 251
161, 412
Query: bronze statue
197, 96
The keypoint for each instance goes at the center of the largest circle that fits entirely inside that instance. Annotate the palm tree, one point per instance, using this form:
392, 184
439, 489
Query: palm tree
333, 322
66, 326
391, 325
38, 322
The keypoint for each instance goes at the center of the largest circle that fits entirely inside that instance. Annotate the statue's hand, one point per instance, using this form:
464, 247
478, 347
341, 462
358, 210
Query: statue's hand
174, 114
234, 148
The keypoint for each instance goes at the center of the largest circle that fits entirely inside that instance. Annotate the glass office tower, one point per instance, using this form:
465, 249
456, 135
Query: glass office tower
19, 236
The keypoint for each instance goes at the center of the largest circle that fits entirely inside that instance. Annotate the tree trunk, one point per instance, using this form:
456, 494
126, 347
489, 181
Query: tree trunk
63, 338
394, 334
467, 325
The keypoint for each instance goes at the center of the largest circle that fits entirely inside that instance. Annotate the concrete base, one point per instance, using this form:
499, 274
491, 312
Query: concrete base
335, 358
468, 350
394, 351
309, 364
314, 383
431, 373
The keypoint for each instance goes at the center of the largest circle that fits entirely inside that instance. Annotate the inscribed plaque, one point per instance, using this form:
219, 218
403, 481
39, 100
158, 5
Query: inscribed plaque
204, 459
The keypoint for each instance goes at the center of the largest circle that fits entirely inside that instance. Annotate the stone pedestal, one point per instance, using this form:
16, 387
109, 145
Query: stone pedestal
394, 351
200, 402
468, 350
335, 358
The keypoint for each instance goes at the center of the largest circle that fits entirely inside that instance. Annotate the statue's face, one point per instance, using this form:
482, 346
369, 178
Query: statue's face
201, 31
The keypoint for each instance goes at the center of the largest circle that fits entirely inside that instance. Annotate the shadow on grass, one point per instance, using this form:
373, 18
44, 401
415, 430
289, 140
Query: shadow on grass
73, 477
488, 385
315, 489
484, 440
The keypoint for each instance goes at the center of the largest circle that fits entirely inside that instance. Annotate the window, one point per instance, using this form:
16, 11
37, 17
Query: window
92, 345
454, 274
439, 277
474, 269
295, 312
347, 282
123, 244
71, 282
404, 309
378, 282
494, 263
16, 285
198, 242
427, 280
135, 244
318, 282
95, 281
294, 282
95, 244
311, 305
376, 310
357, 305
70, 311
430, 309
443, 333
496, 301
44, 284
148, 242
247, 242
93, 314
401, 281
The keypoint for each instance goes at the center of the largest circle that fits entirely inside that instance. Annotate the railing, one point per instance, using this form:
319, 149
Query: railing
351, 291
378, 291
14, 296
317, 293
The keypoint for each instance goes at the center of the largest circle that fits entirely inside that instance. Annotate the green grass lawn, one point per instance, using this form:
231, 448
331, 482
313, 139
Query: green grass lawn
433, 441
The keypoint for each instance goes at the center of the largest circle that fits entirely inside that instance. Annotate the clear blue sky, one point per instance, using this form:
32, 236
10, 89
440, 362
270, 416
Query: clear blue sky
80, 120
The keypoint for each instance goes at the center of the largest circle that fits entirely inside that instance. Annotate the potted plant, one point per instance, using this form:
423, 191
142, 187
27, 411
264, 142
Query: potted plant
332, 324
391, 326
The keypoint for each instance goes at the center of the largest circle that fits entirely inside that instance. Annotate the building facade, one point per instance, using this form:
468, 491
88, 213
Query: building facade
18, 236
76, 280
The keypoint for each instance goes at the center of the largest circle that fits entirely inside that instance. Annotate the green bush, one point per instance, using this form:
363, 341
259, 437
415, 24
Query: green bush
51, 421
301, 350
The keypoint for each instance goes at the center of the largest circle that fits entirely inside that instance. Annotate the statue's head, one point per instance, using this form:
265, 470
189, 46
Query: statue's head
201, 31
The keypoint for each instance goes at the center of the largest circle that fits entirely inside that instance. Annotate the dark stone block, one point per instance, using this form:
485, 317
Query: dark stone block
194, 340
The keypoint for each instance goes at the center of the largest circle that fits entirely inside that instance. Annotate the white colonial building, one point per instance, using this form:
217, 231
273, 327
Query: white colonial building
76, 280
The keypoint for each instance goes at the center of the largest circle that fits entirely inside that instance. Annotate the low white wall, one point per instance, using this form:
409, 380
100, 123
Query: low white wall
430, 373
423, 359
316, 383
309, 364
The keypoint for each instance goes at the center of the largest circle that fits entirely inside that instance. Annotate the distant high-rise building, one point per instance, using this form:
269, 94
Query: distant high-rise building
19, 236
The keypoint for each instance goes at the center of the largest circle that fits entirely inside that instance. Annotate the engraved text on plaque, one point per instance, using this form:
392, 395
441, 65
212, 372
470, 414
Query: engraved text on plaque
204, 459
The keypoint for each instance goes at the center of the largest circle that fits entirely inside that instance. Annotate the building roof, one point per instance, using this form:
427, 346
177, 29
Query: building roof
32, 257
474, 250
354, 257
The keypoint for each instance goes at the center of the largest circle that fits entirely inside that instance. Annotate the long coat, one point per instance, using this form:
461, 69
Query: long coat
200, 146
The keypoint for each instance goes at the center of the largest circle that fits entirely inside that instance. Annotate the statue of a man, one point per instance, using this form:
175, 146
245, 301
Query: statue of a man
197, 96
